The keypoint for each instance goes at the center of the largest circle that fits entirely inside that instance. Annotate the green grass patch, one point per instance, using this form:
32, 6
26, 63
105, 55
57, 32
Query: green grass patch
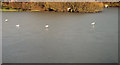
8, 10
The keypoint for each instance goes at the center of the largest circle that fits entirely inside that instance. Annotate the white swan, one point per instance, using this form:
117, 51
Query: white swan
93, 24
106, 6
6, 20
46, 26
68, 8
18, 25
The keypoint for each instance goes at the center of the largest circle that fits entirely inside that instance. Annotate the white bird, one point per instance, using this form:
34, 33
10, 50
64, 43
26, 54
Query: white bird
6, 20
46, 26
106, 6
18, 25
93, 24
68, 8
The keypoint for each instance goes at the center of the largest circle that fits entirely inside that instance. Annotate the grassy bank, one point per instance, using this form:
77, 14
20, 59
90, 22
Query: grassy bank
57, 6
53, 6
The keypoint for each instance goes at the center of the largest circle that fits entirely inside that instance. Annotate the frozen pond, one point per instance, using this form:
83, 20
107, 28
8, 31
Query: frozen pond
70, 37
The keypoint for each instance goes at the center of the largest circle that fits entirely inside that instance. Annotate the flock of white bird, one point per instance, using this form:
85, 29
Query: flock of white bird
47, 26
